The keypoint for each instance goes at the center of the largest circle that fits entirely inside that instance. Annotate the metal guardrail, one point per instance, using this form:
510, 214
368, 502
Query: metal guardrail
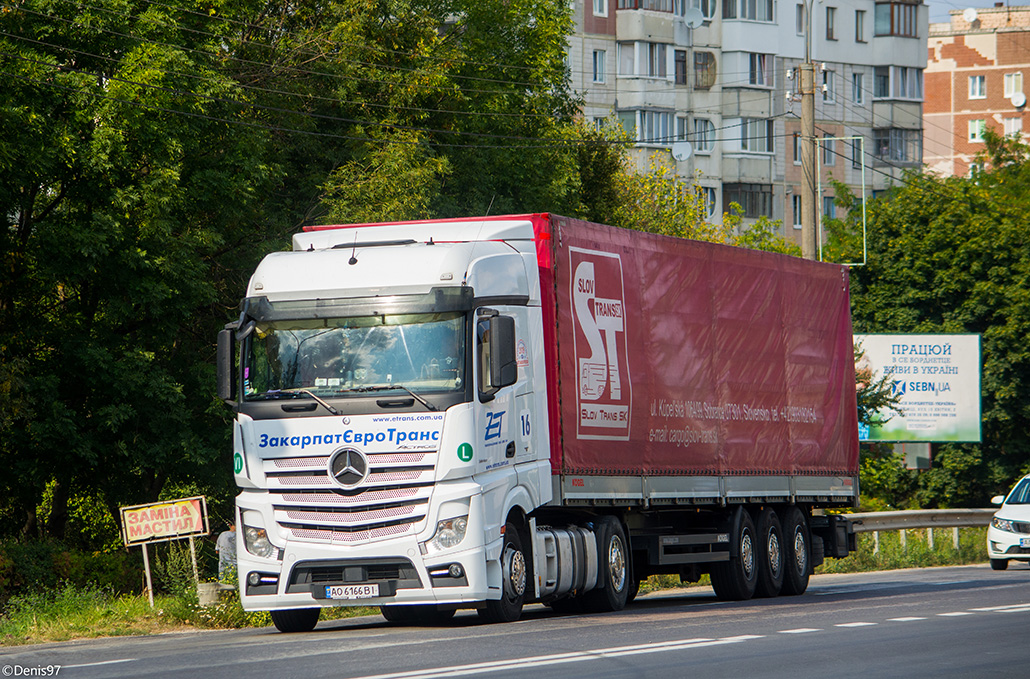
868, 522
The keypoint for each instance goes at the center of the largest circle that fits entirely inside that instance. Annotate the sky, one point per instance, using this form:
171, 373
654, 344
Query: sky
939, 8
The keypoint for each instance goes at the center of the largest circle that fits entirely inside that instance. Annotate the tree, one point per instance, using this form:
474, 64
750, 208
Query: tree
948, 255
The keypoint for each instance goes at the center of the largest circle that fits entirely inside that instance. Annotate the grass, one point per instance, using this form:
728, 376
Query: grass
89, 612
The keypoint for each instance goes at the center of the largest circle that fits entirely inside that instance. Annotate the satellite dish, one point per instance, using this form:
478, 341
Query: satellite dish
1018, 100
681, 150
693, 17
969, 14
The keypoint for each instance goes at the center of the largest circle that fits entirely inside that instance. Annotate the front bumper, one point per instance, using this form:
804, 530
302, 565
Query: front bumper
1005, 545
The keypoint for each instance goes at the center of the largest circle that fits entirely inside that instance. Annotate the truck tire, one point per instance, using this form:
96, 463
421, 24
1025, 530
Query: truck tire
770, 554
736, 579
421, 614
797, 557
613, 565
999, 564
296, 619
513, 580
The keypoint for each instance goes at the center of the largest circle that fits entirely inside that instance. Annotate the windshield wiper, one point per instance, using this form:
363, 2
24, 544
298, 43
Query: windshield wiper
388, 387
298, 390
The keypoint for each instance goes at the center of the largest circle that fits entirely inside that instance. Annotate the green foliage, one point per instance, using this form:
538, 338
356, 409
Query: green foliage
47, 565
916, 553
949, 255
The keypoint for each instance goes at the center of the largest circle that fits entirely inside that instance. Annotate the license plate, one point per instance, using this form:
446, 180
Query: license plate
352, 591
1024, 542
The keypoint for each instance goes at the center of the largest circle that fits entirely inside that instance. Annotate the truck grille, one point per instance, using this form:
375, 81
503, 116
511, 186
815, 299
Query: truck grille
391, 501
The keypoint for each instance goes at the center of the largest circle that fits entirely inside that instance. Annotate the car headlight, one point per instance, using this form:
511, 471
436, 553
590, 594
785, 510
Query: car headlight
1003, 524
257, 542
449, 533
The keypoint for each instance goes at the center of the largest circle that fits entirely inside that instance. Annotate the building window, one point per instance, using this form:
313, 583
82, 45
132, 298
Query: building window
829, 208
829, 151
895, 18
708, 196
881, 82
653, 128
760, 69
704, 70
627, 52
1013, 126
796, 139
656, 64
599, 66
977, 87
755, 199
1013, 84
704, 135
756, 135
859, 25
600, 8
976, 129
795, 202
680, 59
828, 86
831, 20
800, 26
897, 145
653, 5
856, 153
754, 10
707, 8
857, 88
681, 128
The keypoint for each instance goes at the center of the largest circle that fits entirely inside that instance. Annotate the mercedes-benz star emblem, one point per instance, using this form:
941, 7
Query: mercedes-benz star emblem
348, 467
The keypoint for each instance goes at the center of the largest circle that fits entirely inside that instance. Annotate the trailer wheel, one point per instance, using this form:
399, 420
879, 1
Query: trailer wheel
296, 619
613, 563
796, 553
513, 580
735, 580
420, 614
770, 554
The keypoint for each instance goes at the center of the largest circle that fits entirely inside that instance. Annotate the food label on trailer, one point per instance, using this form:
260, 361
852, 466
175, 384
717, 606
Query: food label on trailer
604, 393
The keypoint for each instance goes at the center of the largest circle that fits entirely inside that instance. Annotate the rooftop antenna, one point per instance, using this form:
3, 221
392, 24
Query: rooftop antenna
354, 260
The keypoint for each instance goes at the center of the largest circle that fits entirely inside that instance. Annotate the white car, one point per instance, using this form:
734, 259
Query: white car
1008, 536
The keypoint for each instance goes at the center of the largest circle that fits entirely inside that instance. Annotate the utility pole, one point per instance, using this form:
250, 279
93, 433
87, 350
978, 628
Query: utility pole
808, 160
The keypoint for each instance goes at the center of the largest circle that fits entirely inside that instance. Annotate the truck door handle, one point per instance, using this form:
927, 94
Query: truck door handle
510, 450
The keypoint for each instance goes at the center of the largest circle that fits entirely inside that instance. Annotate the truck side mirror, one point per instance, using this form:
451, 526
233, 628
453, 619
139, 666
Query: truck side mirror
224, 366
495, 340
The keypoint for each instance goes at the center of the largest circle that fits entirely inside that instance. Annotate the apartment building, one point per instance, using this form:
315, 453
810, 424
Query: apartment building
721, 75
974, 80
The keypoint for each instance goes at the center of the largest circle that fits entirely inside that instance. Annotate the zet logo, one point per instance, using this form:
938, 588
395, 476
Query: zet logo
602, 357
493, 425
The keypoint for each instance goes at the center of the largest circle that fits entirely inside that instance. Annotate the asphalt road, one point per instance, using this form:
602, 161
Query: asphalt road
942, 622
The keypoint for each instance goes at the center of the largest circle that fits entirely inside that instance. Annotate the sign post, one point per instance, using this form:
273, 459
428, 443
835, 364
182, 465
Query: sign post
163, 522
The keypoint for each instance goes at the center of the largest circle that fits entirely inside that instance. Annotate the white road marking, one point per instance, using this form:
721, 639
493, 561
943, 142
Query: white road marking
908, 619
857, 624
955, 614
800, 630
96, 664
1016, 608
562, 658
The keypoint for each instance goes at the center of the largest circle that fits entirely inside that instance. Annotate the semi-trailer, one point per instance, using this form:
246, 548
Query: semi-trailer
487, 412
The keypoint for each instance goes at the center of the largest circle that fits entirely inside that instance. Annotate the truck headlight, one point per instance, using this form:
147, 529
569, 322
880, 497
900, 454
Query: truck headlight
257, 542
449, 533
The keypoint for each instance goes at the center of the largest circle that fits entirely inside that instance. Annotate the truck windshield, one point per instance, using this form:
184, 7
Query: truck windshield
334, 356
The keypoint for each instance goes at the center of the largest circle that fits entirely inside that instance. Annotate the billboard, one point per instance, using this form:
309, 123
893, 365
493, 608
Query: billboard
937, 378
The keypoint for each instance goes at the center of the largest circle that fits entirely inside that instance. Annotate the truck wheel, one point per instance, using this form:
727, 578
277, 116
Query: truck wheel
296, 619
613, 566
770, 554
999, 564
634, 589
423, 614
735, 580
797, 558
513, 580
